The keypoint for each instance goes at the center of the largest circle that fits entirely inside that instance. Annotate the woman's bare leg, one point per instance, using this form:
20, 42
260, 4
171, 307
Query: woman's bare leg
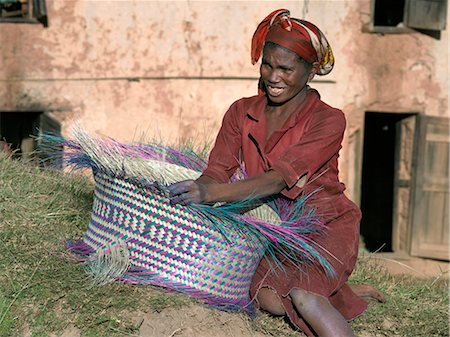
325, 320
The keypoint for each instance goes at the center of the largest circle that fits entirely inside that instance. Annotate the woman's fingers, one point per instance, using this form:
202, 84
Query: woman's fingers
177, 200
183, 199
179, 188
183, 192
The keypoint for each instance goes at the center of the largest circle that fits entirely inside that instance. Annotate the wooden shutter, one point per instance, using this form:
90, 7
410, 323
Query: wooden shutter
40, 12
430, 207
426, 14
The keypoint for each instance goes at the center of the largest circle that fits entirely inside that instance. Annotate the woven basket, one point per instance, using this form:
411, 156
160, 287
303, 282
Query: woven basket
136, 235
172, 247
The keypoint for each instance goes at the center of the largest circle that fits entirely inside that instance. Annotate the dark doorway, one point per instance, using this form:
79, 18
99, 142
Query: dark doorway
381, 136
19, 130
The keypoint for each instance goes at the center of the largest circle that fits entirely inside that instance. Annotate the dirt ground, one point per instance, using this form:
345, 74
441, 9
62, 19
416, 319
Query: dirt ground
199, 321
195, 321
192, 321
401, 263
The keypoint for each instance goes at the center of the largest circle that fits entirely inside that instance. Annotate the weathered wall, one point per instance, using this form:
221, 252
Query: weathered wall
386, 73
134, 66
170, 69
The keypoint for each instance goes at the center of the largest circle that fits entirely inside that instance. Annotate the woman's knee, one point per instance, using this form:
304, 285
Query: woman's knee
303, 299
269, 301
320, 314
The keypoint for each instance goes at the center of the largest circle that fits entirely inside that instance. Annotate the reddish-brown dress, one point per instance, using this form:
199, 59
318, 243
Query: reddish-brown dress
306, 146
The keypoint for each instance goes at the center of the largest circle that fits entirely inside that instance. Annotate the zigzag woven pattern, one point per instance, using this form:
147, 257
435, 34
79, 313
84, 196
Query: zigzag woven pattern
176, 248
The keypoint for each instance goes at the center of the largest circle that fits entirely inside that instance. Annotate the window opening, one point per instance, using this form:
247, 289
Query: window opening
388, 13
23, 11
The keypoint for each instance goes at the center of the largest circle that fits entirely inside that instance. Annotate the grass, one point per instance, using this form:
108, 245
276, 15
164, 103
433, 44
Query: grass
41, 289
43, 292
413, 307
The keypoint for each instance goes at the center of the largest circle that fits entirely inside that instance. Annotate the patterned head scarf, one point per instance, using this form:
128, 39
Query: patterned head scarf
299, 36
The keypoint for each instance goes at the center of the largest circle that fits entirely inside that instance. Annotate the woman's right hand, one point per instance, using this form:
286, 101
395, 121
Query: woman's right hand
187, 192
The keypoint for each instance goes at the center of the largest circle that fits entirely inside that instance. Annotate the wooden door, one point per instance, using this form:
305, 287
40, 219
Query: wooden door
430, 203
403, 182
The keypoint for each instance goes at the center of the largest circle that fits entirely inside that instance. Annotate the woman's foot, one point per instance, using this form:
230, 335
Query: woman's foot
367, 292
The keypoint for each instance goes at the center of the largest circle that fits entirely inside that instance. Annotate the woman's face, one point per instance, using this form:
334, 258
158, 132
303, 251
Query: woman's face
284, 74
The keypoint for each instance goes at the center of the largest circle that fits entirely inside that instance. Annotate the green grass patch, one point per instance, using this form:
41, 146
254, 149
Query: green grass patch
414, 306
42, 289
6, 319
43, 292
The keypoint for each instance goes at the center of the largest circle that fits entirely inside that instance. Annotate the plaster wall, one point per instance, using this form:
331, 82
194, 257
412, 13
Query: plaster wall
170, 69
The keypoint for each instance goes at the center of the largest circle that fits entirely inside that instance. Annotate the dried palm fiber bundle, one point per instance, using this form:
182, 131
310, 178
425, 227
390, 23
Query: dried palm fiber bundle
136, 235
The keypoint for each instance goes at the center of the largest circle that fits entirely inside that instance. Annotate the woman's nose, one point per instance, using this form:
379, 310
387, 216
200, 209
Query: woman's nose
274, 76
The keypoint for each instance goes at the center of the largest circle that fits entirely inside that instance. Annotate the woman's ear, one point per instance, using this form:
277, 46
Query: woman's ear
314, 70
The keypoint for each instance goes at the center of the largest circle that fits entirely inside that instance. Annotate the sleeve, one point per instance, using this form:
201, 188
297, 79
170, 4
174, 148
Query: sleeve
224, 157
319, 144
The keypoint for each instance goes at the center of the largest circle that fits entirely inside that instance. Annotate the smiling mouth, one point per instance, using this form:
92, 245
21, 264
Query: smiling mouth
274, 91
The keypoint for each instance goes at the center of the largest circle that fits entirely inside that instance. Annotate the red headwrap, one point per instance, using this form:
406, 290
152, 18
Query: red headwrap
299, 36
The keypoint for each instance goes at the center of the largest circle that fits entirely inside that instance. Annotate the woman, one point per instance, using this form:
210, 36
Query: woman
289, 140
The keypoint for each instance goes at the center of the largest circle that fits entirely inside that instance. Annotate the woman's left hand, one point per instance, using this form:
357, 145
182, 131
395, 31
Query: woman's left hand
187, 192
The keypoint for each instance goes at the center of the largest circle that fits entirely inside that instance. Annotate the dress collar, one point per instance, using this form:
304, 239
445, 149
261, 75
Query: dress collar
256, 110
